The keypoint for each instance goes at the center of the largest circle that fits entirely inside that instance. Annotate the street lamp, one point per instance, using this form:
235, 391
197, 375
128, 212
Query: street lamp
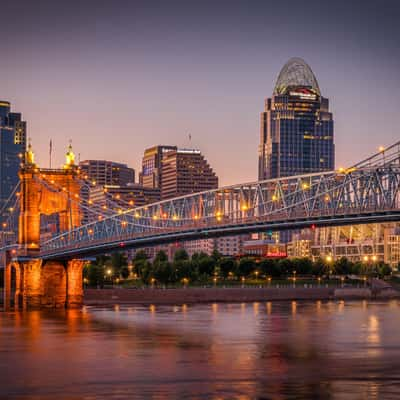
329, 260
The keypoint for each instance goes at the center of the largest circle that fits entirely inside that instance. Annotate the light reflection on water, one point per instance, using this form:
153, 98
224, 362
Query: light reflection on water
272, 350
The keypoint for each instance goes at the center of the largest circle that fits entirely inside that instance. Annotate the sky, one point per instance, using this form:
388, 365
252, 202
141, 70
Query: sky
118, 76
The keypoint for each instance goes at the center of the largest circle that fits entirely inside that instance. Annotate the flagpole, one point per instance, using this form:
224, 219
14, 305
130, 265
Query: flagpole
50, 151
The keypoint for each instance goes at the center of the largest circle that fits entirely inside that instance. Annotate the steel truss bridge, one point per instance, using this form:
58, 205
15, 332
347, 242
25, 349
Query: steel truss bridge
367, 192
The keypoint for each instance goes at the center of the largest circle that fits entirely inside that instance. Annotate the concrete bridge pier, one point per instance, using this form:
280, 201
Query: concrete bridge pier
7, 288
43, 284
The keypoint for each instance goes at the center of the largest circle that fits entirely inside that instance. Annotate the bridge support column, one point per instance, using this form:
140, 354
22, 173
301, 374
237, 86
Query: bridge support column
53, 285
31, 289
7, 287
19, 276
74, 283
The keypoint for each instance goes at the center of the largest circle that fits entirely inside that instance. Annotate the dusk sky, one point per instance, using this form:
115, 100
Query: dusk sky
119, 76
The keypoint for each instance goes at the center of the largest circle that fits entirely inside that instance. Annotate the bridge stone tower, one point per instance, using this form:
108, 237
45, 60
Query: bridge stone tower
45, 283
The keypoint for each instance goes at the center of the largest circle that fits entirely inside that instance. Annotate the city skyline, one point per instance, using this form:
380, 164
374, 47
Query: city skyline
136, 76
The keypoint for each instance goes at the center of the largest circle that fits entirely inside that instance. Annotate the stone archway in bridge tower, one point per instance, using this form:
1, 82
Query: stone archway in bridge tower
13, 284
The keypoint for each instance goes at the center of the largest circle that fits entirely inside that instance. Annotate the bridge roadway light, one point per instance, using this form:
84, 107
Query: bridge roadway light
381, 149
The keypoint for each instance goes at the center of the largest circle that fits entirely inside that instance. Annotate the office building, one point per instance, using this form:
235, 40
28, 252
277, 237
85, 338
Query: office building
12, 147
296, 135
151, 173
102, 172
186, 171
115, 197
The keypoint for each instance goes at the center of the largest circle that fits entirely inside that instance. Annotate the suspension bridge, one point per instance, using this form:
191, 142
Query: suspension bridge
48, 263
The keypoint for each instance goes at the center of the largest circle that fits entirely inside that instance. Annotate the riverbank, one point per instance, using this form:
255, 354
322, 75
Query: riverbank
147, 296
225, 295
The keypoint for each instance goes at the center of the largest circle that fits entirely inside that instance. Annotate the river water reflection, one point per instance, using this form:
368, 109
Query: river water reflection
309, 350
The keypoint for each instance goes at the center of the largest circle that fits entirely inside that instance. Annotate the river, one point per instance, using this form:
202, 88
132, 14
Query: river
279, 350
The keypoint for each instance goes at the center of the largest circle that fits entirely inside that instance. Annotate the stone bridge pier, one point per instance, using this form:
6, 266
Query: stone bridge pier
37, 284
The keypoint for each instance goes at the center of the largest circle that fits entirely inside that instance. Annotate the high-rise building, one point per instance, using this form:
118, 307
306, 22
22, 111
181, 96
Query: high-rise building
152, 166
186, 171
12, 147
121, 197
296, 126
103, 172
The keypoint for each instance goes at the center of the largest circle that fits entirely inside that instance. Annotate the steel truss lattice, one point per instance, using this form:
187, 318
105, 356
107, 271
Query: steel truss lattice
366, 192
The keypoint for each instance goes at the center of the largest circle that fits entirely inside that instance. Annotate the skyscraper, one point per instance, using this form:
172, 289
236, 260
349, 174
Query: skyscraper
186, 171
12, 147
151, 174
107, 172
296, 135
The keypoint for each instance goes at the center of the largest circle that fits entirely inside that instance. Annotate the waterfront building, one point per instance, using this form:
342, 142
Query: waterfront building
186, 171
367, 243
12, 147
199, 246
229, 246
151, 173
264, 248
103, 172
296, 135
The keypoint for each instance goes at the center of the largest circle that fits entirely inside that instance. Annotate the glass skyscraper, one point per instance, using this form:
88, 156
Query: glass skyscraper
12, 147
296, 126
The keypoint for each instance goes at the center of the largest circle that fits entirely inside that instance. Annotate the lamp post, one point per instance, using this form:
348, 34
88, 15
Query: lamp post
329, 260
109, 273
294, 278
